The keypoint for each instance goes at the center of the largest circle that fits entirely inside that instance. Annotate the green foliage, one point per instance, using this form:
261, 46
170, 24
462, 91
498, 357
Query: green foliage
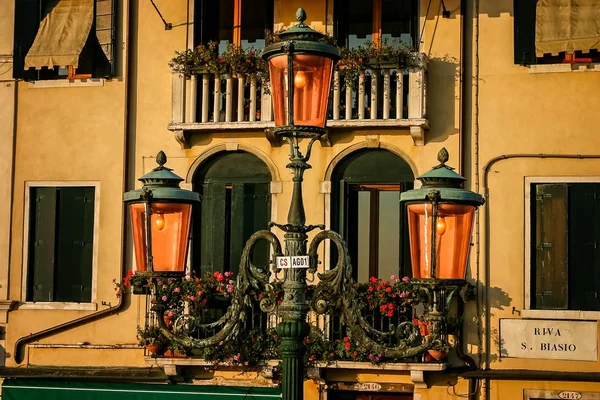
247, 350
150, 335
234, 61
129, 281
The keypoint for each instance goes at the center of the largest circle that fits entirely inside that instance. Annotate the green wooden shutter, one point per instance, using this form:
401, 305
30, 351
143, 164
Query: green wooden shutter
524, 28
75, 244
212, 236
551, 246
27, 21
42, 244
249, 213
584, 246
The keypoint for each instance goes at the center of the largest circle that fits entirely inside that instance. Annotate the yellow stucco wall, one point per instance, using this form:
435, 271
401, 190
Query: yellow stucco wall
80, 134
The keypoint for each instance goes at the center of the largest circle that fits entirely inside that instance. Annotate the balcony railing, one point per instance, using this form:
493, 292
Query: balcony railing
384, 97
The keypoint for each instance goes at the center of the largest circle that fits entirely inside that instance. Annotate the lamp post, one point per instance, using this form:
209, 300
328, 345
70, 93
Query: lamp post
300, 68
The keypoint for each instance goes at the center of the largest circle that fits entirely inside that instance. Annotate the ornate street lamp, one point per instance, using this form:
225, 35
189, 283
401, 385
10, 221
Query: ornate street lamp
440, 218
161, 214
301, 68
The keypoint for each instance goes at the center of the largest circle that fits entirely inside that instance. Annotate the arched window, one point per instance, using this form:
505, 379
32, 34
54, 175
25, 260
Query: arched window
234, 203
365, 209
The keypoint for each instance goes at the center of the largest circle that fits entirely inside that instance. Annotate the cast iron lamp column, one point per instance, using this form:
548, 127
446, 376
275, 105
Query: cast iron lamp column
300, 67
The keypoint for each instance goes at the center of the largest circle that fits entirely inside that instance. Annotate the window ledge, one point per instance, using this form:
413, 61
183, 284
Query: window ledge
58, 306
561, 314
556, 68
61, 83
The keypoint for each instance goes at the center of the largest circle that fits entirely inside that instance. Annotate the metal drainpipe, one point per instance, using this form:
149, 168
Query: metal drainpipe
121, 305
486, 249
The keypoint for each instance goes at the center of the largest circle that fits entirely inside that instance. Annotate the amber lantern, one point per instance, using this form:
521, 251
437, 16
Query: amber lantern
440, 221
161, 214
300, 67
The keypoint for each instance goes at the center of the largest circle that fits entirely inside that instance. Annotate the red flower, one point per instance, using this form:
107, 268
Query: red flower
388, 289
370, 288
355, 354
347, 345
390, 313
346, 339
390, 306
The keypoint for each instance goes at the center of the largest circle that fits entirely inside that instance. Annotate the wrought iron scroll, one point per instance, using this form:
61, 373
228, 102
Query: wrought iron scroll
336, 294
232, 322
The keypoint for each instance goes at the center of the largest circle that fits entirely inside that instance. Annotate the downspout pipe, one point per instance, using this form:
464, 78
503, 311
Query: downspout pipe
19, 351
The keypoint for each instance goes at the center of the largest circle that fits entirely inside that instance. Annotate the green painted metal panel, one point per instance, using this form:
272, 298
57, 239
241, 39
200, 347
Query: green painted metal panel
212, 222
42, 262
551, 246
32, 389
75, 243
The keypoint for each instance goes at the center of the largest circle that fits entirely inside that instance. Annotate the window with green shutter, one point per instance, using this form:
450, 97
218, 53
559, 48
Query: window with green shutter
61, 243
565, 246
235, 202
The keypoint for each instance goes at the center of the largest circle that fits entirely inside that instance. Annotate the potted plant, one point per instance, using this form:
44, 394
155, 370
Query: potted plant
138, 283
152, 338
440, 350
176, 350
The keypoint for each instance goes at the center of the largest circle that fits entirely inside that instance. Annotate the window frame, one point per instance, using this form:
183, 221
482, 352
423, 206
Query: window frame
71, 73
524, 12
528, 311
201, 34
58, 305
377, 22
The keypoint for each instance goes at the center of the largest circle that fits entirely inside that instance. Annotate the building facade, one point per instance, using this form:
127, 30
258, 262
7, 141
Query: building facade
509, 88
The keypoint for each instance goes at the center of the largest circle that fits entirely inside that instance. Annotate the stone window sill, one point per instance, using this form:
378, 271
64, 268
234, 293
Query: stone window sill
58, 306
558, 68
62, 83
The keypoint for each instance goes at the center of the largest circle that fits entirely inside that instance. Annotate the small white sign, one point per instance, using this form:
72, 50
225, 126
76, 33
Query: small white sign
569, 395
549, 339
293, 262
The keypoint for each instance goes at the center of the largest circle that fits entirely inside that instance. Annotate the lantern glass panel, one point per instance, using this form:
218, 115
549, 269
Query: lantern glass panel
452, 235
170, 224
312, 82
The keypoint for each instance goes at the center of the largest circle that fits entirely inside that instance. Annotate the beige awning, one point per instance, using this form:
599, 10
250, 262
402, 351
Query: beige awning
62, 34
567, 25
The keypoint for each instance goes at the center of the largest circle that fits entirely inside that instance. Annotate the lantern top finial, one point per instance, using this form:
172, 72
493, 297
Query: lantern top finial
447, 183
301, 15
443, 158
161, 160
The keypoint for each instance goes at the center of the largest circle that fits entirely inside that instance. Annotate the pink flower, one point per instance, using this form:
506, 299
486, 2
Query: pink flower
406, 279
164, 298
177, 290
404, 294
171, 313
393, 277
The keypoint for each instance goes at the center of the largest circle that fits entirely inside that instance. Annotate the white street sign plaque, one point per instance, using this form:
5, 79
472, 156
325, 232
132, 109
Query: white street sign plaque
293, 262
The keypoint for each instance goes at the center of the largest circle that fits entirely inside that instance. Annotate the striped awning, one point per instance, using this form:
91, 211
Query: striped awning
47, 389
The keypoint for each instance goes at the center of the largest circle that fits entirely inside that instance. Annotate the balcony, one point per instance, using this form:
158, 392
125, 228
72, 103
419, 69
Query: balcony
383, 98
387, 311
